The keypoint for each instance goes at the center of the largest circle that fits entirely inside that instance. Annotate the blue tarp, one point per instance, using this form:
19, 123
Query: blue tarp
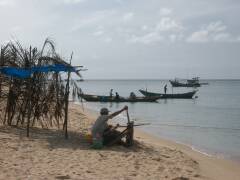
56, 68
16, 72
26, 73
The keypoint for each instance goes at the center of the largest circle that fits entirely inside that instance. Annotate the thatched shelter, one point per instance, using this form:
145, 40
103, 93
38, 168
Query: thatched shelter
32, 89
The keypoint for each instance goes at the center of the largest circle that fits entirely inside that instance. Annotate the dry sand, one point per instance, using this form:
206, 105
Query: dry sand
47, 155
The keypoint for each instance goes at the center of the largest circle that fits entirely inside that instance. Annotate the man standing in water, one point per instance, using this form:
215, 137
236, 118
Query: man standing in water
101, 131
165, 88
111, 93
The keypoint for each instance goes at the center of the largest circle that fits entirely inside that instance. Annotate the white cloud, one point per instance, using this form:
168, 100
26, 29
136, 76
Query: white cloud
216, 27
101, 34
98, 33
92, 19
107, 39
128, 16
6, 3
175, 37
165, 11
95, 56
149, 38
168, 24
214, 32
73, 1
145, 27
221, 37
199, 36
160, 32
16, 29
119, 1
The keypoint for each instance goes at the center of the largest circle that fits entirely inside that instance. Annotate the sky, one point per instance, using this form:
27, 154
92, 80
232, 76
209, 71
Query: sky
132, 39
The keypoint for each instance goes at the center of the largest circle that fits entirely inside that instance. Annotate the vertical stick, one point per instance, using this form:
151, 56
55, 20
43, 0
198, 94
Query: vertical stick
128, 117
30, 96
29, 105
66, 107
66, 101
129, 137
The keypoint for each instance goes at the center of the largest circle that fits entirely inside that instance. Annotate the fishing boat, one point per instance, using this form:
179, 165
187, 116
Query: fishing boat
176, 83
188, 95
96, 98
194, 82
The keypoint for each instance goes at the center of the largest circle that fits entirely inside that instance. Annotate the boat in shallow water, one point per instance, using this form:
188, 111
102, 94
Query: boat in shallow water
188, 95
97, 98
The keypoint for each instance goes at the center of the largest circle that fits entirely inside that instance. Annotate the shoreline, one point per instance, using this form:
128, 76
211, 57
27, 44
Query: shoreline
199, 150
213, 167
46, 154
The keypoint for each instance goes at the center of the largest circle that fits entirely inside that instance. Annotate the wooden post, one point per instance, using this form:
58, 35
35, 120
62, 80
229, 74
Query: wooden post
67, 102
30, 95
128, 117
129, 136
130, 131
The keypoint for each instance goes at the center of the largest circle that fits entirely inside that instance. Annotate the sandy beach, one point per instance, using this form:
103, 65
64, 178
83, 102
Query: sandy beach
47, 155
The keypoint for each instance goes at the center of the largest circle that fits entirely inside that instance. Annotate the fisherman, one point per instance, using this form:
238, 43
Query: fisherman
111, 93
117, 96
103, 133
165, 88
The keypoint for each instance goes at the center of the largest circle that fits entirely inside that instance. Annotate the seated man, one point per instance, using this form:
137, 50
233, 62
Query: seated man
101, 131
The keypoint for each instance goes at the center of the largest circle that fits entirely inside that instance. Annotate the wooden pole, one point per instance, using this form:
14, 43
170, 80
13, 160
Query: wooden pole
130, 131
67, 102
30, 89
128, 117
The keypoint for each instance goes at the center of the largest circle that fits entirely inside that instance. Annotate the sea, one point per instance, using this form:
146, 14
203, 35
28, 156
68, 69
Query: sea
208, 123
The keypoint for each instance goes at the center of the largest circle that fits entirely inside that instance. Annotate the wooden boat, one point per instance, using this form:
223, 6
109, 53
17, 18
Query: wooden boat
176, 83
187, 95
194, 82
96, 98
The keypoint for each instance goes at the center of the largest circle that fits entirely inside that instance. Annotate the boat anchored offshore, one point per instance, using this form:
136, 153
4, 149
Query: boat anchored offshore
194, 82
188, 95
176, 83
97, 98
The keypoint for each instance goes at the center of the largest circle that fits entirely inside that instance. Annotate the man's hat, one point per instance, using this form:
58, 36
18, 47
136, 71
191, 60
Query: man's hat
104, 111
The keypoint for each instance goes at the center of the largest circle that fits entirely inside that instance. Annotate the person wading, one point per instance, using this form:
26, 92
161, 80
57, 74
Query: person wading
111, 93
165, 89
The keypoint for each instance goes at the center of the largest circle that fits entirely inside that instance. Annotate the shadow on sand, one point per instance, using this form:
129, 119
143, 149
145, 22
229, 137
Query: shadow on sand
56, 139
